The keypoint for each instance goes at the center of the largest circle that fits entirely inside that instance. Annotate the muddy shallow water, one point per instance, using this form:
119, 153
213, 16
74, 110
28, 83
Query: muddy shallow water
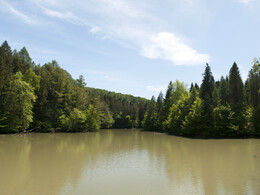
127, 162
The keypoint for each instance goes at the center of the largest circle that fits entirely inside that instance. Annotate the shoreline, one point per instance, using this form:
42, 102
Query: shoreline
160, 132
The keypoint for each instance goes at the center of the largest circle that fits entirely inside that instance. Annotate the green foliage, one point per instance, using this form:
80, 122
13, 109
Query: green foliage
256, 119
76, 121
122, 121
81, 81
223, 91
206, 91
221, 108
118, 103
177, 115
26, 61
88, 119
17, 62
186, 117
224, 123
92, 118
253, 86
63, 104
150, 121
31, 78
106, 117
174, 93
18, 108
55, 95
216, 109
236, 89
193, 122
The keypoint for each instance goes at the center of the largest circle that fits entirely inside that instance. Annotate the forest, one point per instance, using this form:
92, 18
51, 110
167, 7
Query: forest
224, 108
45, 98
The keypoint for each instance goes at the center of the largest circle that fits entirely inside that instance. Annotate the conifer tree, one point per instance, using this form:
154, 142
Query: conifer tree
253, 82
223, 91
236, 89
26, 61
206, 90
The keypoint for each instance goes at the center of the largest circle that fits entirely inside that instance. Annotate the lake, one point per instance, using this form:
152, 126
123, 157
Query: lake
127, 162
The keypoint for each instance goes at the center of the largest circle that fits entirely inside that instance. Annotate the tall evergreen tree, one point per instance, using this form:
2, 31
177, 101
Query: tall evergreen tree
151, 116
236, 98
235, 89
160, 101
253, 84
81, 81
191, 86
223, 91
6, 65
168, 99
206, 95
206, 90
17, 63
26, 61
6, 73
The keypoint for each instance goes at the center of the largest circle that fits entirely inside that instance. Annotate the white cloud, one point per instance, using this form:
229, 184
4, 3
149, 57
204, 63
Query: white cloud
66, 15
244, 1
167, 46
132, 24
243, 72
156, 88
8, 8
63, 15
95, 30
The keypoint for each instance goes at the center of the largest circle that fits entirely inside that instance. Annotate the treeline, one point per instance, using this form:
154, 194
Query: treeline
128, 111
46, 98
224, 108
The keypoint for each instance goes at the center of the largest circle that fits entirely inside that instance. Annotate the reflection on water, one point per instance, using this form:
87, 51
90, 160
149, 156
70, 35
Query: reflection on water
127, 162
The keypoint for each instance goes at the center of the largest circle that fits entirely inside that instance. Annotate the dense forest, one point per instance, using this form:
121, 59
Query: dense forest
47, 99
224, 108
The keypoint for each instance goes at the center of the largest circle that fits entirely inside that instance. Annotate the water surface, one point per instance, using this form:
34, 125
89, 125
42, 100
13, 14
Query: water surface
127, 162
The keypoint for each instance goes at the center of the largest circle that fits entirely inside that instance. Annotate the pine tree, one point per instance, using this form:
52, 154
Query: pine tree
81, 81
17, 63
223, 91
26, 61
6, 65
236, 98
236, 89
206, 95
206, 90
191, 86
253, 84
160, 101
6, 72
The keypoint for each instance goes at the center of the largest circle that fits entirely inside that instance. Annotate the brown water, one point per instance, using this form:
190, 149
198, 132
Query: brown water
127, 162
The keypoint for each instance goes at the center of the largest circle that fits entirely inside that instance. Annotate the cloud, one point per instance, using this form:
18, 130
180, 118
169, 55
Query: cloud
66, 15
132, 24
167, 46
8, 8
244, 1
133, 30
156, 88
95, 30
243, 72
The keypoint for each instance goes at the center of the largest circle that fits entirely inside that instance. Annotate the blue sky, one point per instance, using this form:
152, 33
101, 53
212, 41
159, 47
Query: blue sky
135, 47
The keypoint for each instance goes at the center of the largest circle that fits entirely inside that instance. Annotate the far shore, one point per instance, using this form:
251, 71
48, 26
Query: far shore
158, 132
